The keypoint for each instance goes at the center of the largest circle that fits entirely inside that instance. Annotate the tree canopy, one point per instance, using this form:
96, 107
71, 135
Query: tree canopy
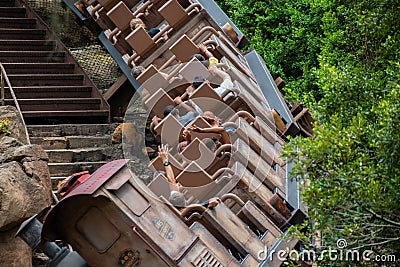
342, 59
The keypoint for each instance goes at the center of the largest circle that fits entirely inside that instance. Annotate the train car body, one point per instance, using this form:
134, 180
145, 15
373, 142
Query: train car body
115, 219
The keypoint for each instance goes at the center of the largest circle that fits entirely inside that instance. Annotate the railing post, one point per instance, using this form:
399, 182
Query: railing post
4, 79
2, 88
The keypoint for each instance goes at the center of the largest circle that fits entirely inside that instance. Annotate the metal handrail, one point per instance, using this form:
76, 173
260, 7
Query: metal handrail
4, 77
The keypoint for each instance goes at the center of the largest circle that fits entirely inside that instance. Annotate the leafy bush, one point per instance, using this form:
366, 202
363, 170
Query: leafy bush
4, 124
287, 35
342, 59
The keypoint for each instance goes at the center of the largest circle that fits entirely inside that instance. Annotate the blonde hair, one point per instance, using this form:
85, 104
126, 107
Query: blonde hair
136, 23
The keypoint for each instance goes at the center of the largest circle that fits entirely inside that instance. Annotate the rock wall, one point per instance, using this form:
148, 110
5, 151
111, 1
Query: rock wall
25, 189
16, 127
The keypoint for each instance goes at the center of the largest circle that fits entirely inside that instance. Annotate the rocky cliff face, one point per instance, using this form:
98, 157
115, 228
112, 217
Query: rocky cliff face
25, 188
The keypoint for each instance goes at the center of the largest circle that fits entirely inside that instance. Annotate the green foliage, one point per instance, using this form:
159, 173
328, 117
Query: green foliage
354, 174
353, 164
286, 34
4, 124
342, 59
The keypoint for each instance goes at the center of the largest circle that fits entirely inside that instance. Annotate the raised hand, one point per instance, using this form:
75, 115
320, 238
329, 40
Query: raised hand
202, 48
186, 135
162, 152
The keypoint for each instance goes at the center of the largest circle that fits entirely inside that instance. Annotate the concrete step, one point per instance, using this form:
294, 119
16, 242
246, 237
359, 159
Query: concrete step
67, 169
88, 141
76, 155
72, 142
50, 142
70, 130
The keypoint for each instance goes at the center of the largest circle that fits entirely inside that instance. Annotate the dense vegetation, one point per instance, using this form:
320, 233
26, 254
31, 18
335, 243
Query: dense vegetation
341, 58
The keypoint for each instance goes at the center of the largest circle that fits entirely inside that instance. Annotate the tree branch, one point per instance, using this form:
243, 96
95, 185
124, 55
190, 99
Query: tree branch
381, 225
383, 218
377, 244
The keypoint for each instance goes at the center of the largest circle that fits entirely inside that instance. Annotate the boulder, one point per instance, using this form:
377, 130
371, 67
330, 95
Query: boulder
25, 188
14, 251
8, 142
16, 127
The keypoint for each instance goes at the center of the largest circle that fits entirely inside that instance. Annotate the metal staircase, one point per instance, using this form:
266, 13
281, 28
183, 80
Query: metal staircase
49, 84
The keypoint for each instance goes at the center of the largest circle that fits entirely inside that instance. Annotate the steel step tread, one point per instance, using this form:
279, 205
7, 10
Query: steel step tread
31, 53
37, 101
17, 21
27, 45
56, 91
52, 88
24, 42
11, 10
49, 65
3, 19
7, 3
65, 113
67, 69
50, 94
41, 92
46, 79
22, 31
52, 76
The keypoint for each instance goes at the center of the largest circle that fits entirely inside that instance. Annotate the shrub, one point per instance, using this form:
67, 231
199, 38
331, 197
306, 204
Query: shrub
4, 124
